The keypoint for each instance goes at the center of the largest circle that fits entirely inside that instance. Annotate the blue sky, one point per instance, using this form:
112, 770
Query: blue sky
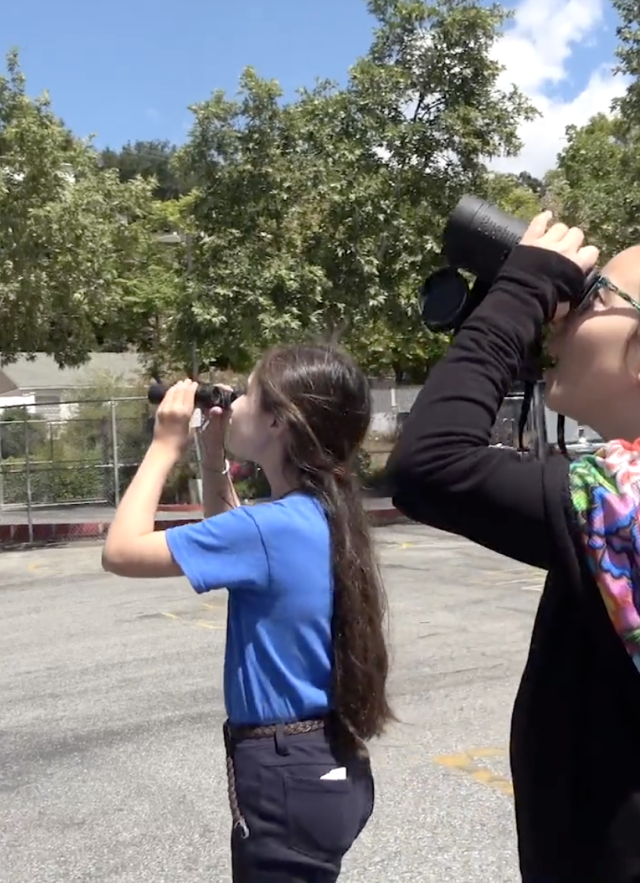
128, 70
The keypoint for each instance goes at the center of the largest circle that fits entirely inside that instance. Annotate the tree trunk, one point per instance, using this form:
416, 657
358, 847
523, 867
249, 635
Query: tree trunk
334, 331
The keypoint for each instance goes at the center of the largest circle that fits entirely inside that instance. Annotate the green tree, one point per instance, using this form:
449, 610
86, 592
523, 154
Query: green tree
322, 216
396, 344
525, 179
70, 233
19, 431
628, 54
89, 433
597, 182
404, 353
514, 194
149, 160
152, 289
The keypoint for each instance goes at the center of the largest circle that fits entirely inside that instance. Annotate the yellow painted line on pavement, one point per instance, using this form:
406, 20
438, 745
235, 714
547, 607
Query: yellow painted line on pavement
198, 623
470, 763
209, 625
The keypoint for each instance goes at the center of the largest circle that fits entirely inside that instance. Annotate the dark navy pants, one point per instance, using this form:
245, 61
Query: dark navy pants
299, 825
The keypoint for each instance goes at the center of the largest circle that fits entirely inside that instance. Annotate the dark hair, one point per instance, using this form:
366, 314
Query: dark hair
323, 398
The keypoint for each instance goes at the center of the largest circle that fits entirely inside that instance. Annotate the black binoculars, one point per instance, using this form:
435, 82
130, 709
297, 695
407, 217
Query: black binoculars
478, 238
207, 395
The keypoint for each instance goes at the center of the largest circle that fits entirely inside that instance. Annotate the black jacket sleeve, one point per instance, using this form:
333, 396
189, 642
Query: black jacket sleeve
442, 471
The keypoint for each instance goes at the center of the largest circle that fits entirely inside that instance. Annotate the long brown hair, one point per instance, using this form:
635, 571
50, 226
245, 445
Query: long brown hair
322, 397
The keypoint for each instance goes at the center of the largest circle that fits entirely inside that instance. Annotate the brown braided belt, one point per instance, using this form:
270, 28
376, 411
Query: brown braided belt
237, 734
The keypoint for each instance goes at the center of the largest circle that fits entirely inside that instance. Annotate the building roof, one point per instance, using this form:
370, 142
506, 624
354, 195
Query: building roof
43, 373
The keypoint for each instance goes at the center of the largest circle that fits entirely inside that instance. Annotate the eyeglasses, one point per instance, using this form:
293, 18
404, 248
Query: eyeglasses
600, 283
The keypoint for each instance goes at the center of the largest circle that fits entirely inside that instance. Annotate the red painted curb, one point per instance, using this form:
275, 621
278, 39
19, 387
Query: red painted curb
18, 534
46, 534
180, 507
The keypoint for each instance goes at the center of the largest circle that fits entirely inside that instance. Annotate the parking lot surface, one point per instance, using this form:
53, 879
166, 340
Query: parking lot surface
111, 762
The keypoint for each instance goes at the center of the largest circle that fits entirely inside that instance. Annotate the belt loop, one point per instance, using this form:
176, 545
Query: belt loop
281, 740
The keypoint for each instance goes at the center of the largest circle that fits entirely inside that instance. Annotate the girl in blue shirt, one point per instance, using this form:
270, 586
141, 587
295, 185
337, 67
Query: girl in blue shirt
306, 661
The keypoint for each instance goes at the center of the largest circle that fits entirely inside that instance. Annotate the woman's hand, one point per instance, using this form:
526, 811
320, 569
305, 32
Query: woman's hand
567, 241
173, 417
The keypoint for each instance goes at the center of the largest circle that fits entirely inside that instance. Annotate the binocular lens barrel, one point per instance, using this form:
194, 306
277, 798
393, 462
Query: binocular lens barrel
479, 237
207, 395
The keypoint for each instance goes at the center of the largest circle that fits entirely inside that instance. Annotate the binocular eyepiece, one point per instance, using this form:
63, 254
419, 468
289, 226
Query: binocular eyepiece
478, 238
207, 395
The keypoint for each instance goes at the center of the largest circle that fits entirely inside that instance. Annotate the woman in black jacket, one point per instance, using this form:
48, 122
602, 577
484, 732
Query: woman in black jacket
575, 737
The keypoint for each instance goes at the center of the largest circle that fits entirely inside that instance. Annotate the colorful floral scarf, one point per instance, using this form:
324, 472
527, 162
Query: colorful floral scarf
605, 491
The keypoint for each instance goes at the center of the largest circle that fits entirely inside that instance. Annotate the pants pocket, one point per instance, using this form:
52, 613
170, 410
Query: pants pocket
323, 817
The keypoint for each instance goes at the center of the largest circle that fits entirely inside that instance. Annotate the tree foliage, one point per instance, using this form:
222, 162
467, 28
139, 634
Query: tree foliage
597, 182
70, 232
319, 217
514, 194
278, 220
628, 54
150, 160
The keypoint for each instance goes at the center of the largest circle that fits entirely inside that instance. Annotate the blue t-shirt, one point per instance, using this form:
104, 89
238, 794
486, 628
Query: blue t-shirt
275, 560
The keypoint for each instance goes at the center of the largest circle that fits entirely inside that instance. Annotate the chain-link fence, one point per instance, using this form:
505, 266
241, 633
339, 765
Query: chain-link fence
71, 462
76, 452
85, 453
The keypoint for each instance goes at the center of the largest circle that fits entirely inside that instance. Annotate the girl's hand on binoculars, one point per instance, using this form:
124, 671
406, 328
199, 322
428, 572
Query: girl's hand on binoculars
172, 429
213, 432
567, 241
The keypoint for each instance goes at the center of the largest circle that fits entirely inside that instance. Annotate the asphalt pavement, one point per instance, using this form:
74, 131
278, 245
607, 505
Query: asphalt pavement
111, 762
81, 513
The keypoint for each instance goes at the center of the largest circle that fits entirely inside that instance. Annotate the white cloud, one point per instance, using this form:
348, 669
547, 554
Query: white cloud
536, 51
